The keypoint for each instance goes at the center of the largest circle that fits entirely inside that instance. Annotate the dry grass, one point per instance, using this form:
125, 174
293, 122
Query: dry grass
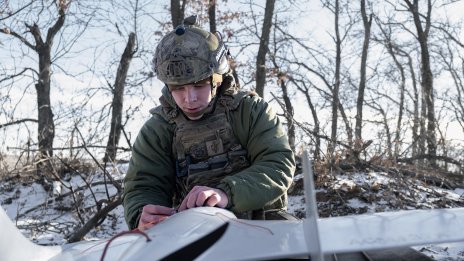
25, 169
405, 190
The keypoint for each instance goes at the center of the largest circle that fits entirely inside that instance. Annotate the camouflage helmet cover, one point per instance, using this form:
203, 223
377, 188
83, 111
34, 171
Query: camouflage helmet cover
189, 54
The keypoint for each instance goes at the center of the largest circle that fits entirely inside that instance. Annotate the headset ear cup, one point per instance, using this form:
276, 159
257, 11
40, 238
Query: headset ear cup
222, 55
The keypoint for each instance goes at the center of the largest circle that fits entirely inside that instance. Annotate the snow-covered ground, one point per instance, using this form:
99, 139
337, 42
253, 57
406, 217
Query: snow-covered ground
48, 219
357, 193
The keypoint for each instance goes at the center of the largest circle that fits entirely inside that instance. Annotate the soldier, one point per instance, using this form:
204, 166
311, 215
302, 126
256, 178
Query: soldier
207, 144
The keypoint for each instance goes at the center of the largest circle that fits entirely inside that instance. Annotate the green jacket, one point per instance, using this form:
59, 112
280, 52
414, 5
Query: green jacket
151, 176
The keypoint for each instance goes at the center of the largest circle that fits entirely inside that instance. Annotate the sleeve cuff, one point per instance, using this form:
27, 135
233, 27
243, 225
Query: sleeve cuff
224, 187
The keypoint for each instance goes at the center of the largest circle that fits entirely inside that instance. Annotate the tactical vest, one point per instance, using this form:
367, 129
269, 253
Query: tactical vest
206, 150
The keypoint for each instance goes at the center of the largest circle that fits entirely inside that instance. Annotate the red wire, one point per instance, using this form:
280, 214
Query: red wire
135, 231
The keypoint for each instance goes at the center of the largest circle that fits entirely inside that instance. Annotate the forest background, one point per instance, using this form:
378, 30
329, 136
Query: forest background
360, 84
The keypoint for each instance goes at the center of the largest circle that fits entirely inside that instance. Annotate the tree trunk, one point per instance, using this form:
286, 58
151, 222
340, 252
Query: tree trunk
416, 120
394, 51
46, 128
212, 16
177, 12
117, 103
367, 22
336, 88
46, 125
400, 110
263, 48
305, 91
457, 74
289, 112
387, 131
349, 130
426, 75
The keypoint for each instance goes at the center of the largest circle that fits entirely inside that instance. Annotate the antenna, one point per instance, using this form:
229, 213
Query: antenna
311, 229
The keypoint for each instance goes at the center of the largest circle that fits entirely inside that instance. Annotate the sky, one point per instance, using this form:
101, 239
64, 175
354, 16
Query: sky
313, 23
34, 195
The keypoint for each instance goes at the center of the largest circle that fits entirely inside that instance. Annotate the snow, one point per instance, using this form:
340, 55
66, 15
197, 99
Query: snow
460, 192
357, 193
48, 218
53, 218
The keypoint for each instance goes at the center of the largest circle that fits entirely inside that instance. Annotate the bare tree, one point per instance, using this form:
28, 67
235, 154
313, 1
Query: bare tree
418, 145
263, 48
212, 16
336, 85
385, 131
43, 48
118, 97
177, 12
367, 22
304, 89
457, 74
396, 54
289, 111
453, 60
423, 29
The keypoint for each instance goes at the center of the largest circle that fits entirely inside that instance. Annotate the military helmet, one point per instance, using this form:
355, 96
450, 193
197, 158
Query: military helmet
189, 54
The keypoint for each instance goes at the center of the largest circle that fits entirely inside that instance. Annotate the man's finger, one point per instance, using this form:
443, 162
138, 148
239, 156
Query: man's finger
213, 200
183, 205
157, 210
202, 197
151, 220
192, 200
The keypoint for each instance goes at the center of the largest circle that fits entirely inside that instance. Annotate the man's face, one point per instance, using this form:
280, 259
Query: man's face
192, 98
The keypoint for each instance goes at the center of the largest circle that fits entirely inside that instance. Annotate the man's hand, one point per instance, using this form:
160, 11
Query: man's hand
201, 196
153, 214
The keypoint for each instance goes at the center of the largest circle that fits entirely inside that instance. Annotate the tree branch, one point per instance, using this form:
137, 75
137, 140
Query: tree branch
59, 23
17, 122
16, 35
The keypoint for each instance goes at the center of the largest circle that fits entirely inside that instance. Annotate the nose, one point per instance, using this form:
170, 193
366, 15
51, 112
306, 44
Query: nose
191, 94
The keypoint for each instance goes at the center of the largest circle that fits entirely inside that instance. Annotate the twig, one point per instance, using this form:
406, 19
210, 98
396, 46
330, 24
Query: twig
118, 187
